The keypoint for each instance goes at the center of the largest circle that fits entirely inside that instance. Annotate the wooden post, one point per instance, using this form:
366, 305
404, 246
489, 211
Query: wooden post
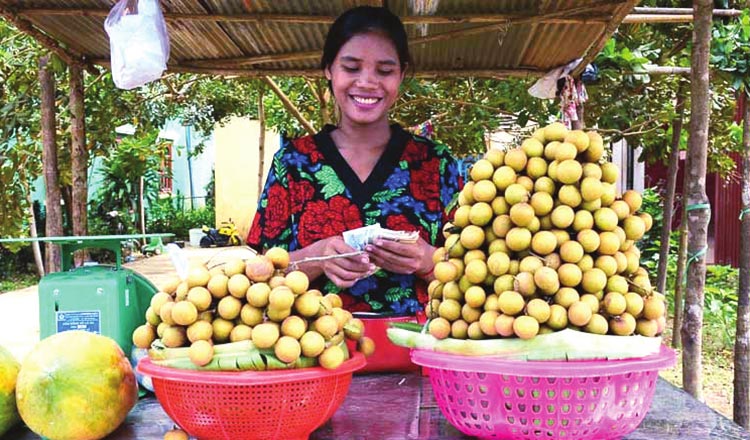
742, 337
79, 156
261, 139
49, 158
668, 207
697, 200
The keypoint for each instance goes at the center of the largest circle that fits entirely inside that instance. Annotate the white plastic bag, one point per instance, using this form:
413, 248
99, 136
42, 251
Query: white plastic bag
138, 41
546, 86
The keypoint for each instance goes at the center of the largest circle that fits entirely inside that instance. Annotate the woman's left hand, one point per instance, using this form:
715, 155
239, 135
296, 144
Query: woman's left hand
404, 258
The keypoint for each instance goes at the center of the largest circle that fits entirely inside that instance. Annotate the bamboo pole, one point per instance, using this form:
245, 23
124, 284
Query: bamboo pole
261, 139
682, 11
35, 248
666, 70
656, 18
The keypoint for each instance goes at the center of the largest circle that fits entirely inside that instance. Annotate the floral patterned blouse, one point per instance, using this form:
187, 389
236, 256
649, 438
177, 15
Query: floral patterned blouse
311, 193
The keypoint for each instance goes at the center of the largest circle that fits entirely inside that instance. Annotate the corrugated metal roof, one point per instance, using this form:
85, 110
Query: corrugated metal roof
485, 37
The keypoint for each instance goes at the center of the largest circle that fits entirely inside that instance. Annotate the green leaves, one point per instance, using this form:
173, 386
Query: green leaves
730, 50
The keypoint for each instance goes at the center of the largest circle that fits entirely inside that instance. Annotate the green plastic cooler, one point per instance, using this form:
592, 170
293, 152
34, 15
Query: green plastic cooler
110, 300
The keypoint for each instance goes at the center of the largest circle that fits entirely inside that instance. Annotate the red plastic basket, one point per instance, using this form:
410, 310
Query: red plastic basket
388, 357
251, 405
494, 398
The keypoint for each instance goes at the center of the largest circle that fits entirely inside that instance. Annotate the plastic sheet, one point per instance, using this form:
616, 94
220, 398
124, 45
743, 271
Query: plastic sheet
139, 43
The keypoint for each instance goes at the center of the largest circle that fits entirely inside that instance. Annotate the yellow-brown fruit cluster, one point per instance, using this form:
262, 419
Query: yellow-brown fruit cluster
540, 242
255, 299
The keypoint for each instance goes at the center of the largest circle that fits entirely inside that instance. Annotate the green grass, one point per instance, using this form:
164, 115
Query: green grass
17, 281
717, 371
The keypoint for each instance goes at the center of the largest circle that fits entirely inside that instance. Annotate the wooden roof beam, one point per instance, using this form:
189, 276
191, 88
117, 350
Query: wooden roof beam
317, 73
458, 33
601, 40
307, 19
68, 55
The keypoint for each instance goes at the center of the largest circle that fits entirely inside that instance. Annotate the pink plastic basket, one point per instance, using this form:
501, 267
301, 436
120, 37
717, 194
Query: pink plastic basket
494, 398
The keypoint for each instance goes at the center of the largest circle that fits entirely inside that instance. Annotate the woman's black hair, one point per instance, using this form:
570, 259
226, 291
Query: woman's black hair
361, 20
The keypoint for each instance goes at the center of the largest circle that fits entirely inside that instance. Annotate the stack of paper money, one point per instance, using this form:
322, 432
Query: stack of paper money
361, 237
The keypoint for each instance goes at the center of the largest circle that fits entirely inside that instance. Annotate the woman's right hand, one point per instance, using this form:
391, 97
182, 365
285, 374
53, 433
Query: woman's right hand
345, 271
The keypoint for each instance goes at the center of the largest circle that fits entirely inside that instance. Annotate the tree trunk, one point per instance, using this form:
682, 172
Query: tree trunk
742, 338
668, 209
49, 159
697, 201
79, 158
261, 140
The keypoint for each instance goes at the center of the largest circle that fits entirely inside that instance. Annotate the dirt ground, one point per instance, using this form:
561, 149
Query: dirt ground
19, 310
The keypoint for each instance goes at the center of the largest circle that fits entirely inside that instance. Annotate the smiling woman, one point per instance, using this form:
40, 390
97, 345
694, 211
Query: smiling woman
361, 172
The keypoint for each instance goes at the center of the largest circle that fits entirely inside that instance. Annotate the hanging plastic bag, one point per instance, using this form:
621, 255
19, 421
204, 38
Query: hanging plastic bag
546, 86
138, 41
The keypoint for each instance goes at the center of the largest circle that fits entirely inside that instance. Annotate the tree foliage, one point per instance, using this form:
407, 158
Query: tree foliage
629, 103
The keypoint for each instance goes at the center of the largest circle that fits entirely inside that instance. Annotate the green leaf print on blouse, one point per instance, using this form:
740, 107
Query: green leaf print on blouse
382, 196
332, 185
330, 287
432, 228
279, 168
394, 294
375, 305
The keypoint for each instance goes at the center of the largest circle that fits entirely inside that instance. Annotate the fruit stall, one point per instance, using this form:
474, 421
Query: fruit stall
540, 322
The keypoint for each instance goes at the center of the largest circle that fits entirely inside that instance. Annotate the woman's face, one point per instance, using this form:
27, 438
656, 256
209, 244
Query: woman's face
365, 75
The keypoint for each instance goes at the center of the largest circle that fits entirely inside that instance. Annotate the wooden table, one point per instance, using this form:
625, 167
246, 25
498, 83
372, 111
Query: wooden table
402, 406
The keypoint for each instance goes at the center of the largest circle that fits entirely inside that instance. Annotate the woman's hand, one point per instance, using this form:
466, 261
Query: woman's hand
402, 258
345, 271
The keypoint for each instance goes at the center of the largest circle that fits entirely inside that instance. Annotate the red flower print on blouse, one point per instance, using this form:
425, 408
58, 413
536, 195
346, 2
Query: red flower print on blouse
399, 222
414, 151
301, 191
323, 219
277, 212
424, 183
421, 287
306, 145
352, 304
253, 238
